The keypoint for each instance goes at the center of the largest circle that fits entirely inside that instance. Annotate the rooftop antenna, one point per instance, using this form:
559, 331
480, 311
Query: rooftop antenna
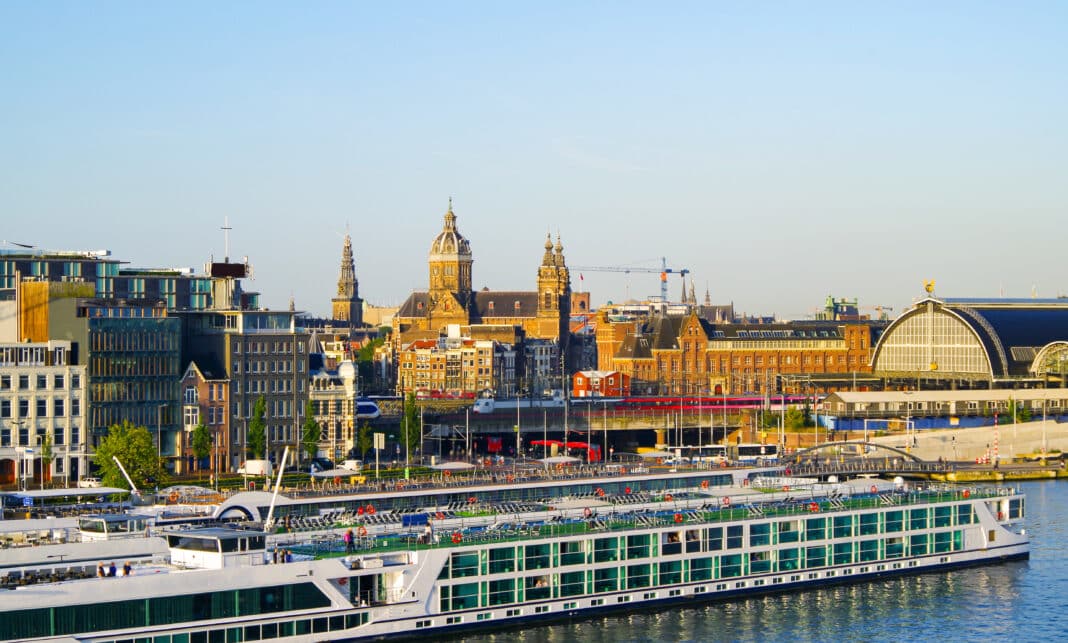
226, 238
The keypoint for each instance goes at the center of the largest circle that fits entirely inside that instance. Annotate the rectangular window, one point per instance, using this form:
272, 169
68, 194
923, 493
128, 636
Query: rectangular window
58, 381
42, 382
42, 408
57, 408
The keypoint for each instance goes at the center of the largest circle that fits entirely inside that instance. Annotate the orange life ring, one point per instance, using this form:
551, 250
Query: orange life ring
472, 500
362, 531
627, 491
813, 506
723, 464
447, 473
966, 493
726, 501
786, 487
622, 471
337, 480
874, 489
359, 511
1001, 516
745, 483
173, 497
704, 484
371, 509
440, 516
600, 492
787, 472
678, 517
457, 538
510, 478
668, 498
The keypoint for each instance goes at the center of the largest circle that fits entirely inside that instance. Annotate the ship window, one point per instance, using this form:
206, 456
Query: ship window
843, 526
639, 576
605, 549
943, 516
815, 529
537, 556
464, 564
734, 537
671, 572
918, 545
894, 522
715, 538
942, 542
965, 515
895, 547
573, 583
869, 550
869, 524
730, 565
843, 553
502, 592
701, 569
502, 560
815, 556
918, 518
759, 534
638, 547
789, 559
606, 580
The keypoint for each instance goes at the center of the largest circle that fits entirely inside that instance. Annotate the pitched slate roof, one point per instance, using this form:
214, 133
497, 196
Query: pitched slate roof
415, 305
504, 303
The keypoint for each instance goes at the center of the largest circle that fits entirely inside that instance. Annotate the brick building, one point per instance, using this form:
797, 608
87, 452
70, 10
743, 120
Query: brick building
687, 355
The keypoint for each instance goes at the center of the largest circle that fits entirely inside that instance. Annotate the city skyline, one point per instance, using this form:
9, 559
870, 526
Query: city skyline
781, 155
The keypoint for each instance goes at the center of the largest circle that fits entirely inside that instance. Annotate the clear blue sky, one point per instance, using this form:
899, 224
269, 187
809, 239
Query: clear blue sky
780, 151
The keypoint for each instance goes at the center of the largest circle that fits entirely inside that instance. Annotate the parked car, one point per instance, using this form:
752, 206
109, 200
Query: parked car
319, 464
89, 483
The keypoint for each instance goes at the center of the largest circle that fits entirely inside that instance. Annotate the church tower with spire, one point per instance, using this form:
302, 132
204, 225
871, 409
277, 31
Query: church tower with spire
554, 292
450, 263
347, 306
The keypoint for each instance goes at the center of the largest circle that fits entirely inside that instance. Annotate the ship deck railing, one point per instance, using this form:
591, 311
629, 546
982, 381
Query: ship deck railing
615, 520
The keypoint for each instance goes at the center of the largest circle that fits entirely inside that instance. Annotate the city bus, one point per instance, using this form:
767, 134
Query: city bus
755, 454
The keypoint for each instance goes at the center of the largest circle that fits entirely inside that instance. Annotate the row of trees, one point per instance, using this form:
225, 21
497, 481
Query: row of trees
136, 450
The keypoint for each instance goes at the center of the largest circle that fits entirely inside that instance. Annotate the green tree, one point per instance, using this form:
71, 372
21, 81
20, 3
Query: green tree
202, 443
795, 419
364, 440
411, 426
311, 432
256, 444
134, 447
47, 456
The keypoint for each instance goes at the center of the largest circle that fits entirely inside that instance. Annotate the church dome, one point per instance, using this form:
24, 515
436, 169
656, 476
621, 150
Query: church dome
449, 242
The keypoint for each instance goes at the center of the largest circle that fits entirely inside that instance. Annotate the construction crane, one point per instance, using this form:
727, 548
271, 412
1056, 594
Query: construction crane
663, 270
881, 310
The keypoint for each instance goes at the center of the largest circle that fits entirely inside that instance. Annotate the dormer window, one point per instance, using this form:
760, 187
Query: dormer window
490, 306
517, 305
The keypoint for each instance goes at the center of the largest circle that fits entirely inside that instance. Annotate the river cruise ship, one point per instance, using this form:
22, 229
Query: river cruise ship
413, 571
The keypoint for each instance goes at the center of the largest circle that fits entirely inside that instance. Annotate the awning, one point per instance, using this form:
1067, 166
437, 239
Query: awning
560, 459
453, 466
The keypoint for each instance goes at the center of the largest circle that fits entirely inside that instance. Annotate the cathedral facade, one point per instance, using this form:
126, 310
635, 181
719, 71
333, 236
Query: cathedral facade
505, 316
